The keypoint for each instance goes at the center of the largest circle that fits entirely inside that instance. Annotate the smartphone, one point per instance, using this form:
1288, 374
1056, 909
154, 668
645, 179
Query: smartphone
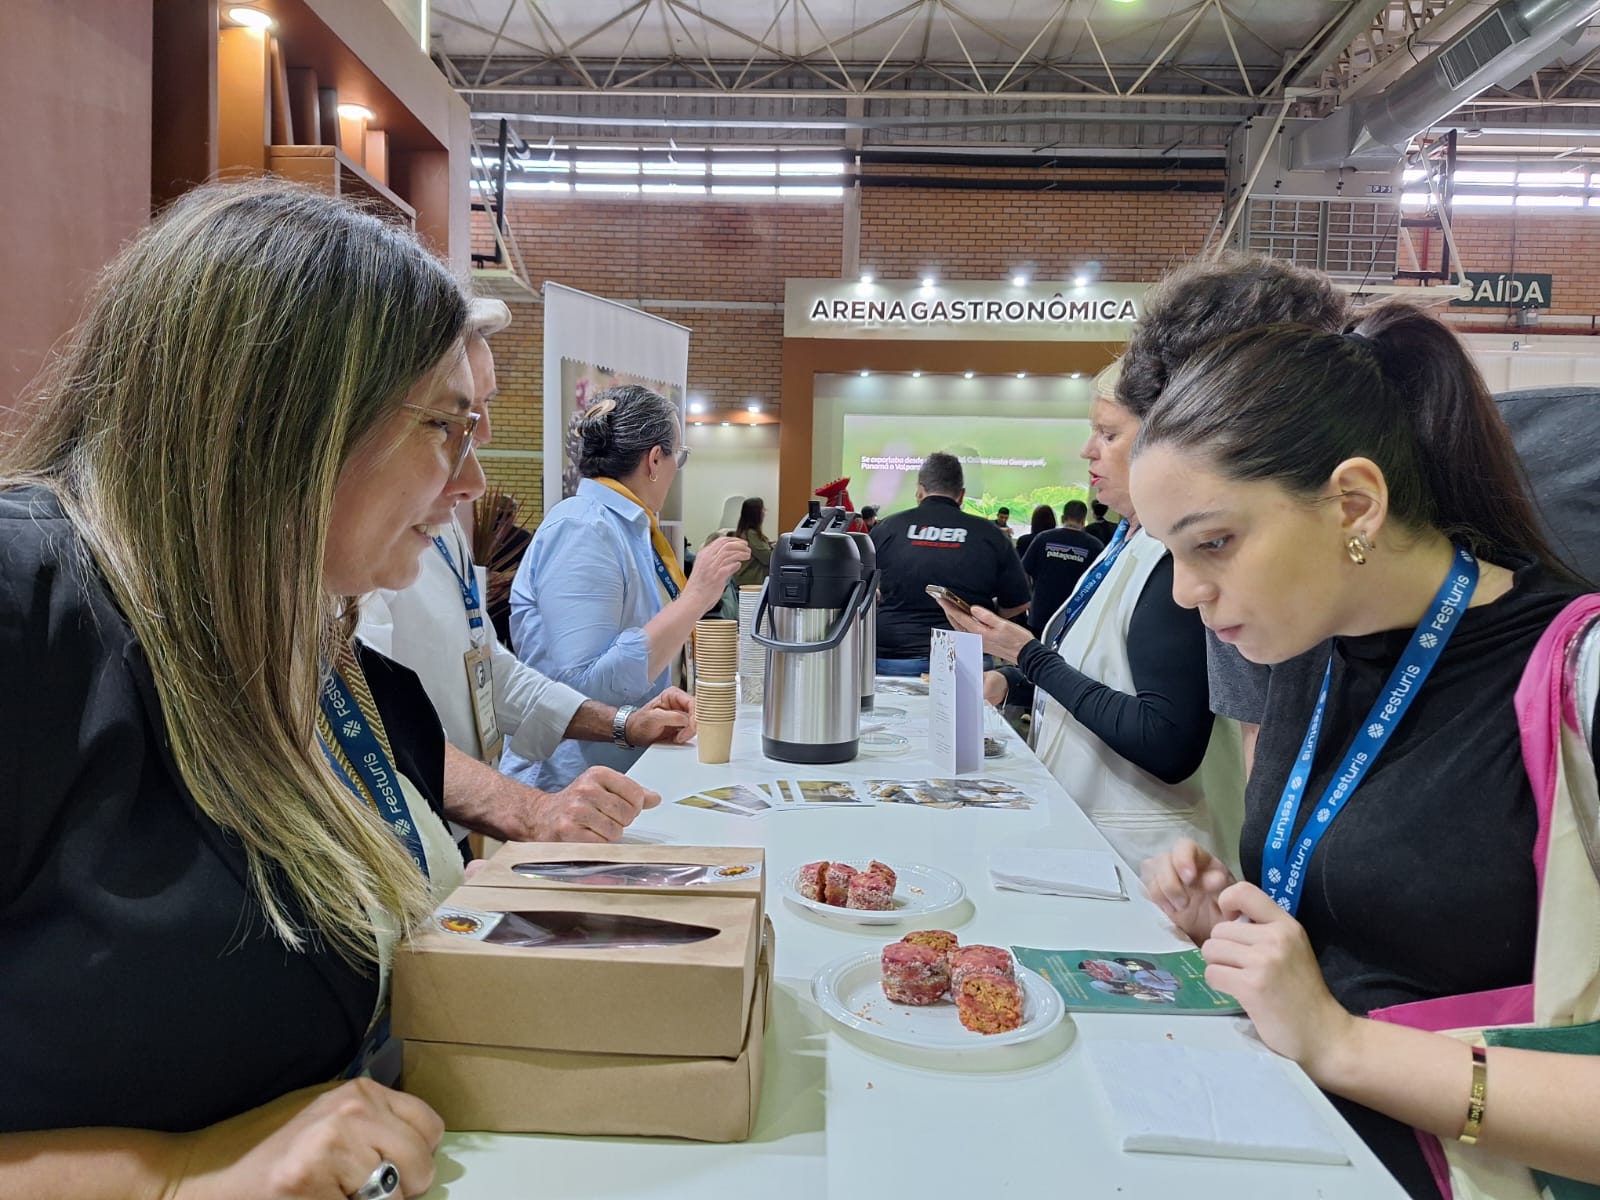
939, 592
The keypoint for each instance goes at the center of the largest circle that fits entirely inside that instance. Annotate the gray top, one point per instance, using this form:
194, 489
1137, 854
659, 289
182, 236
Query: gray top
1557, 434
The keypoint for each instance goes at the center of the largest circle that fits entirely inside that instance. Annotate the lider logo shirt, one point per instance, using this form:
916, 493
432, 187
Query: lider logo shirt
936, 535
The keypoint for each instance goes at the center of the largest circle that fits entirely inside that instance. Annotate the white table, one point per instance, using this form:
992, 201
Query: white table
1014, 1120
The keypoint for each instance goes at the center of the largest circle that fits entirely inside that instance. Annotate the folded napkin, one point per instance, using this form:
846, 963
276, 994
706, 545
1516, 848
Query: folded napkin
1091, 873
1166, 1098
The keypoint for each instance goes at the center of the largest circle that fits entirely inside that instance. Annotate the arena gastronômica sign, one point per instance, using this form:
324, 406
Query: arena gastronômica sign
976, 311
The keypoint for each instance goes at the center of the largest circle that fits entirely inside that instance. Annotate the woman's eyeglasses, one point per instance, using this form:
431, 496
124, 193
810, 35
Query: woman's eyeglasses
681, 456
460, 433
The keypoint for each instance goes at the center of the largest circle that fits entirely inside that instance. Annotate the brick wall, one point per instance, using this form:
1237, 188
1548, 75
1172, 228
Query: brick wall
637, 248
1563, 244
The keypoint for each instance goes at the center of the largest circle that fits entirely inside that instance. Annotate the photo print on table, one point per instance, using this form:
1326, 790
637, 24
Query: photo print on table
822, 793
948, 793
752, 797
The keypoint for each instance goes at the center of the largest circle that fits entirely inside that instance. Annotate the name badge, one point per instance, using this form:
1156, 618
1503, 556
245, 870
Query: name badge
480, 678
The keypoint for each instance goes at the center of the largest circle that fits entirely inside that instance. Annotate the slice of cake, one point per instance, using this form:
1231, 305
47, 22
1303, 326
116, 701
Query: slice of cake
869, 890
836, 883
988, 1002
941, 940
979, 958
913, 974
877, 868
809, 882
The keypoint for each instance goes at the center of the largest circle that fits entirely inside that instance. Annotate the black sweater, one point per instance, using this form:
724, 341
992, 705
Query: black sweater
140, 986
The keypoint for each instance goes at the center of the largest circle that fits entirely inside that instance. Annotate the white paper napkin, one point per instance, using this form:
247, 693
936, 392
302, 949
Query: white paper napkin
1166, 1098
1089, 873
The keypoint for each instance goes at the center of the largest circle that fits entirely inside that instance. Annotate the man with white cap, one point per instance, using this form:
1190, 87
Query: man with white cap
439, 627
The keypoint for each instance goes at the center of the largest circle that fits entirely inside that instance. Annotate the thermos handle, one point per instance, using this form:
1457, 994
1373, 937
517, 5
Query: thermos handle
841, 626
871, 590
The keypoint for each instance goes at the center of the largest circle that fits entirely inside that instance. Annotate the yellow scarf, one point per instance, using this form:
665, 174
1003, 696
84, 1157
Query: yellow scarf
658, 540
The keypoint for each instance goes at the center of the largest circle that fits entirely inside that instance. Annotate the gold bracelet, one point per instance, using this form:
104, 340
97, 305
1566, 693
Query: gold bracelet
1475, 1103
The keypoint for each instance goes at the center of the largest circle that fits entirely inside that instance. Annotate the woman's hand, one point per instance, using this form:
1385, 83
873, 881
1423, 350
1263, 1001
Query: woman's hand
713, 567
1001, 638
1266, 962
1187, 884
319, 1143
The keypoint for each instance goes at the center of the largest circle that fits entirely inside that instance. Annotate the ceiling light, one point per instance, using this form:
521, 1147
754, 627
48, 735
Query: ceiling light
1077, 374
968, 375
928, 281
754, 406
1018, 280
867, 278
864, 374
1079, 280
725, 424
355, 112
1022, 374
250, 18
916, 374
696, 407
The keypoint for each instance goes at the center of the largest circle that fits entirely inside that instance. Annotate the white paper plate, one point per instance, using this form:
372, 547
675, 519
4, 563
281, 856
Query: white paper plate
850, 990
919, 891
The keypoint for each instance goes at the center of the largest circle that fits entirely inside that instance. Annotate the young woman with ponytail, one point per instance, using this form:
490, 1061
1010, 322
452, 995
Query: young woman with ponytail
1363, 487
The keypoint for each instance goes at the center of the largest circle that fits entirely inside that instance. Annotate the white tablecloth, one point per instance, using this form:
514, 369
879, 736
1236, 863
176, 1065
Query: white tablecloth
843, 1113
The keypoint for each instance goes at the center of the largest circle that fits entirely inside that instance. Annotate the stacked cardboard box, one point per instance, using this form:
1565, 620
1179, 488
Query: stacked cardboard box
664, 1041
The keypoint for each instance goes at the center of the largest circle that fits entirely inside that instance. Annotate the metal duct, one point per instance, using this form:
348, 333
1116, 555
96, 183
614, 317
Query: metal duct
1505, 44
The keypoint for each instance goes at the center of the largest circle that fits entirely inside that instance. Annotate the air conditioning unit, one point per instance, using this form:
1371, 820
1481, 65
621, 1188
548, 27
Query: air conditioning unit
1276, 181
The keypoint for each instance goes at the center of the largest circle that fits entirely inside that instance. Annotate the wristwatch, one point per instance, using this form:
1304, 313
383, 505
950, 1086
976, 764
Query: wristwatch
619, 726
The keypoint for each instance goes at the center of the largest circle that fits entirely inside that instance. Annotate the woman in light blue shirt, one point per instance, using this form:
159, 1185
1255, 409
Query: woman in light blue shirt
600, 602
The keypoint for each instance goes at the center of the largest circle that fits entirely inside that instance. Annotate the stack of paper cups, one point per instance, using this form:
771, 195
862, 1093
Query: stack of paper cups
752, 658
716, 663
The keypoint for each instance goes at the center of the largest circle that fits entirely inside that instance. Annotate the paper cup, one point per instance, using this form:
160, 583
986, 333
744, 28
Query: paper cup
715, 741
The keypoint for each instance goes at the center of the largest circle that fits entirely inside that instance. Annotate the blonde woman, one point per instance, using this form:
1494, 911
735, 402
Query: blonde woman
219, 812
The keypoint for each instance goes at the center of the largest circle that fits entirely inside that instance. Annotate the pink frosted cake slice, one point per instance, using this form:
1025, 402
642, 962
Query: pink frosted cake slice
988, 1002
979, 958
869, 890
836, 883
809, 881
913, 974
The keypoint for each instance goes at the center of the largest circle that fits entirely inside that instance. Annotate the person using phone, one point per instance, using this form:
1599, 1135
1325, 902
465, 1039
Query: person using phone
1120, 714
937, 543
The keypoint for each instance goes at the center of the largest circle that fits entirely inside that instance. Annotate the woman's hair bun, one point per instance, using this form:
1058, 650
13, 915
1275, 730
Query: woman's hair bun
594, 426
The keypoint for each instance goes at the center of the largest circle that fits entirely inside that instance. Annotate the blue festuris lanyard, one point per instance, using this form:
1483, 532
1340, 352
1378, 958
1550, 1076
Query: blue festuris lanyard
365, 754
468, 584
665, 576
1086, 588
1284, 859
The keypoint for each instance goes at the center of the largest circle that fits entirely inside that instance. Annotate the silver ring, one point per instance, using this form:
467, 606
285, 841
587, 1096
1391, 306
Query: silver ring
382, 1184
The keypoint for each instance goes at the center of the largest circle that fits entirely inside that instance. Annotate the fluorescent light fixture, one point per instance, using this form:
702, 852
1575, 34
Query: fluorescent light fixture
928, 281
1080, 280
754, 406
1022, 374
250, 18
916, 374
696, 406
968, 374
1077, 374
725, 424
867, 278
1018, 280
355, 112
864, 374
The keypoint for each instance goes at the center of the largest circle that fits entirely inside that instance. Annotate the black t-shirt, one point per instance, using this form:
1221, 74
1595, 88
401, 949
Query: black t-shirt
1424, 885
141, 987
936, 542
1104, 530
1054, 561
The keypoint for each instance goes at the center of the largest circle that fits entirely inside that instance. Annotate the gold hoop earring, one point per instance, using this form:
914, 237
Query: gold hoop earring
652, 476
1357, 548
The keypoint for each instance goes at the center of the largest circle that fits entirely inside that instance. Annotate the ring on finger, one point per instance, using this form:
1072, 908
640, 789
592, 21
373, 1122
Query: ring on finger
382, 1184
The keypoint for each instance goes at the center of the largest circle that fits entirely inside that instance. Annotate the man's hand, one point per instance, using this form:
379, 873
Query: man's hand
667, 718
595, 807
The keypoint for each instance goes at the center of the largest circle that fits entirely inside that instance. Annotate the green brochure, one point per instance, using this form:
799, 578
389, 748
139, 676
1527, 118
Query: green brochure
1112, 981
